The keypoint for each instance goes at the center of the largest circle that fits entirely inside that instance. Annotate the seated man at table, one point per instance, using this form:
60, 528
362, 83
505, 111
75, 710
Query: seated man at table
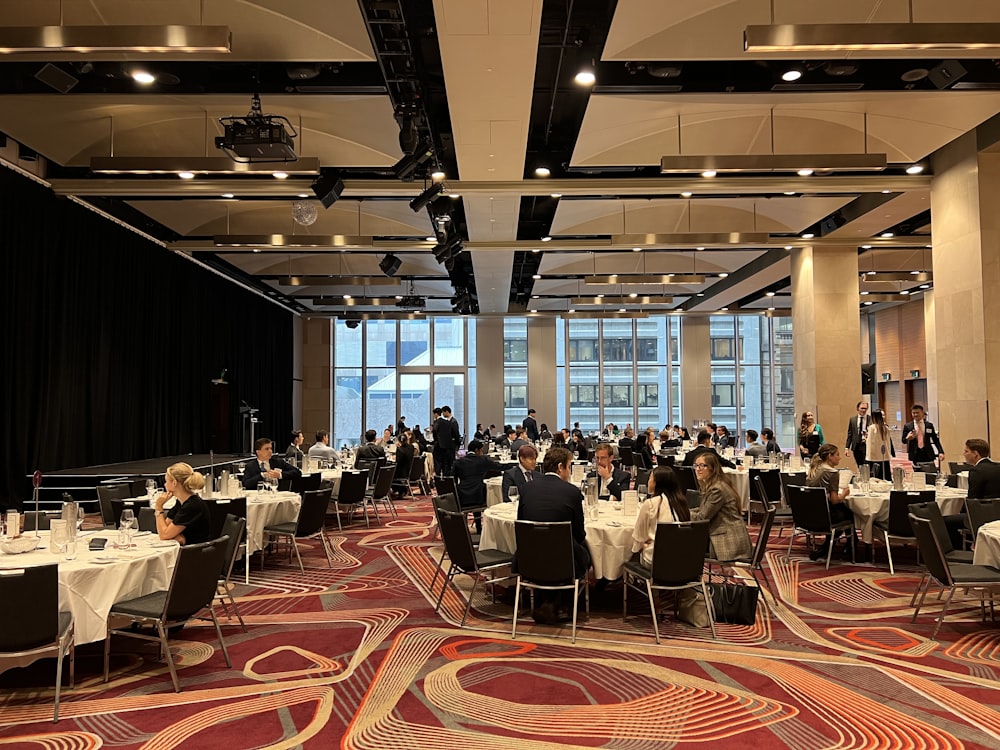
552, 497
753, 447
371, 450
984, 482
321, 448
705, 444
507, 439
628, 439
520, 438
524, 472
267, 466
469, 472
611, 481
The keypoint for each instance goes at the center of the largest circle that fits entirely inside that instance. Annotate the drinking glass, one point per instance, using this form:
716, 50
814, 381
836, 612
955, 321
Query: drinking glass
128, 523
80, 513
71, 549
261, 486
150, 487
241, 467
643, 491
513, 494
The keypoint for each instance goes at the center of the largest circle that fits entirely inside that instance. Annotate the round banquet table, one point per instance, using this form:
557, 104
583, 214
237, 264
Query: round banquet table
987, 550
873, 506
92, 583
609, 537
494, 490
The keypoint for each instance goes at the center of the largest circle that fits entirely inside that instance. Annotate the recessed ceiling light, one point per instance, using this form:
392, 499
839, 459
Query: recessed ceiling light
431, 239
724, 309
701, 248
399, 296
557, 195
864, 293
546, 238
280, 175
454, 196
915, 169
636, 249
686, 194
867, 303
534, 311
770, 294
535, 250
621, 309
256, 249
807, 235
790, 192
709, 173
770, 308
143, 76
536, 276
805, 172
792, 74
723, 275
228, 195
788, 247
437, 175
886, 235
866, 247
585, 77
600, 296
572, 310
347, 296
303, 195
700, 294
886, 192
542, 171
534, 296
905, 291
633, 295
914, 273
186, 175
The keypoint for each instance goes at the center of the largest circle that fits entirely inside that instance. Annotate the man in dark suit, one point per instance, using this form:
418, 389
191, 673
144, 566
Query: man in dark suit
531, 426
984, 482
857, 432
611, 481
524, 472
446, 440
705, 445
922, 442
371, 450
267, 465
552, 497
470, 471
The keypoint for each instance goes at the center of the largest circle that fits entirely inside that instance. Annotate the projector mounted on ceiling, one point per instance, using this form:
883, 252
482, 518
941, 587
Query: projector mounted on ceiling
257, 137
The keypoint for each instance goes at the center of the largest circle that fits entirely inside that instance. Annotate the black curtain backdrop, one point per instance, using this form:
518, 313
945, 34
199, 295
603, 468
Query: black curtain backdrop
112, 341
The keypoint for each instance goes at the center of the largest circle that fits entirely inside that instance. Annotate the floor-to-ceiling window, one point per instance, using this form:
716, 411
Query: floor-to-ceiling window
515, 370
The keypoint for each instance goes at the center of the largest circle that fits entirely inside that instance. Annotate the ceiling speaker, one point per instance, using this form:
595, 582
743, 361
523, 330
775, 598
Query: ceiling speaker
328, 190
390, 264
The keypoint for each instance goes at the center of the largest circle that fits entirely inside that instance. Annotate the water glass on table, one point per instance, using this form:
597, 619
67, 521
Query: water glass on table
513, 494
128, 525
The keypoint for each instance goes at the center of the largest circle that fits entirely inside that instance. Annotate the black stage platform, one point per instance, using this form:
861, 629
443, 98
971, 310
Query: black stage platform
82, 482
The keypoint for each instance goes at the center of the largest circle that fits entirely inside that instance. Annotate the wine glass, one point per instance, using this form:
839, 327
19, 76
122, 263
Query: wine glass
513, 494
80, 514
128, 523
150, 487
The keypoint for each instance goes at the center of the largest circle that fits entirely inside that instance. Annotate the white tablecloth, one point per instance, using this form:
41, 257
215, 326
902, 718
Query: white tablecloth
494, 490
987, 550
88, 588
874, 506
609, 537
266, 510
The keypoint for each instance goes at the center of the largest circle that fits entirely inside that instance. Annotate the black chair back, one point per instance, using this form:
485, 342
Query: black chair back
137, 487
931, 551
899, 510
457, 539
371, 465
308, 483
219, 508
642, 477
147, 519
545, 552
765, 533
693, 499
42, 520
639, 459
117, 506
352, 487
765, 485
383, 482
982, 510
446, 502
786, 478
446, 486
810, 508
686, 478
679, 552
662, 460
625, 454
417, 468
233, 529
31, 600
107, 493
312, 512
927, 467
932, 512
958, 466
196, 576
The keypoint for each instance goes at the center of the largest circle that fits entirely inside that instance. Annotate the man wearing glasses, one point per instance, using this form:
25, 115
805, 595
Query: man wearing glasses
611, 481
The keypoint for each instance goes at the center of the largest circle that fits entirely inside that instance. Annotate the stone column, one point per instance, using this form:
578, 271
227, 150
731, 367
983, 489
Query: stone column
964, 195
317, 379
826, 327
542, 370
696, 371
489, 371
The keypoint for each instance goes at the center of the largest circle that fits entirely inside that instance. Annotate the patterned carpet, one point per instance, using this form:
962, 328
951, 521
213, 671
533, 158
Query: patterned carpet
355, 657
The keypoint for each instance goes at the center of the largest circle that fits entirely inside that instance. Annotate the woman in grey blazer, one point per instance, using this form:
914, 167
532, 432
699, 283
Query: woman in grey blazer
720, 505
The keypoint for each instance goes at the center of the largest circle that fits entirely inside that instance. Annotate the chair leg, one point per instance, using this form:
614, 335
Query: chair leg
624, 596
468, 604
165, 648
447, 578
652, 609
517, 607
888, 553
925, 584
218, 633
576, 603
295, 546
709, 606
944, 611
340, 527
55, 710
107, 653
225, 592
439, 569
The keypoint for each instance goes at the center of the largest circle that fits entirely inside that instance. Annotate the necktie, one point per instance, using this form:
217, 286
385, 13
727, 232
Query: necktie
527, 476
920, 434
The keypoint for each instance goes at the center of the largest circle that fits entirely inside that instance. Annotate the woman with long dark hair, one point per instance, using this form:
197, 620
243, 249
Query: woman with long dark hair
810, 435
878, 446
721, 506
666, 503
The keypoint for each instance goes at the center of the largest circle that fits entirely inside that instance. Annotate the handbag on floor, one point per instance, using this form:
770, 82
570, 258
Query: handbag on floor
734, 604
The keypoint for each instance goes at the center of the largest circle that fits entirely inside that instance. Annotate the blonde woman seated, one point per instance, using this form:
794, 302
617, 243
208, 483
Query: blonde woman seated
187, 520
721, 506
823, 472
665, 504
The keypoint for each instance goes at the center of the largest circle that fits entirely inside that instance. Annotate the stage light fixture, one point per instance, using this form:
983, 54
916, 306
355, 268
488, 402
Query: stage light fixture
426, 197
405, 169
390, 264
328, 189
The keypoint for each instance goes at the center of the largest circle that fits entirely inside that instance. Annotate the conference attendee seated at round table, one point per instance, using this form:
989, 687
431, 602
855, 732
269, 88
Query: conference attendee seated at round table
524, 472
480, 433
722, 437
405, 451
417, 438
644, 448
579, 447
611, 481
627, 440
387, 437
469, 471
509, 436
721, 507
321, 448
267, 465
545, 433
705, 446
667, 440
521, 438
294, 450
665, 504
753, 447
559, 438
187, 521
770, 444
823, 472
371, 450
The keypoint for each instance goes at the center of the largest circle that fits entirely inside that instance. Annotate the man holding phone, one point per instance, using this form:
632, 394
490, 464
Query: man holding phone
922, 442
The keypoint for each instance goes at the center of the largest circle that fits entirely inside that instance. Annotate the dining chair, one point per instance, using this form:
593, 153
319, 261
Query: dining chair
309, 524
897, 528
465, 559
33, 627
234, 530
686, 478
786, 478
958, 466
811, 516
107, 493
693, 498
449, 503
949, 576
982, 510
221, 507
546, 561
147, 519
418, 467
42, 519
117, 506
309, 483
381, 490
932, 512
192, 590
678, 564
755, 561
766, 485
352, 493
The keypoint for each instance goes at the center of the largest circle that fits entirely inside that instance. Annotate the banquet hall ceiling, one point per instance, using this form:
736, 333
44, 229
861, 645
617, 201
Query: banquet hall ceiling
489, 84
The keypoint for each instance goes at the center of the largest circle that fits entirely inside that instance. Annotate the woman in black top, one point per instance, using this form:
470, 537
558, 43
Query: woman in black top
294, 449
404, 458
643, 447
187, 521
417, 438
